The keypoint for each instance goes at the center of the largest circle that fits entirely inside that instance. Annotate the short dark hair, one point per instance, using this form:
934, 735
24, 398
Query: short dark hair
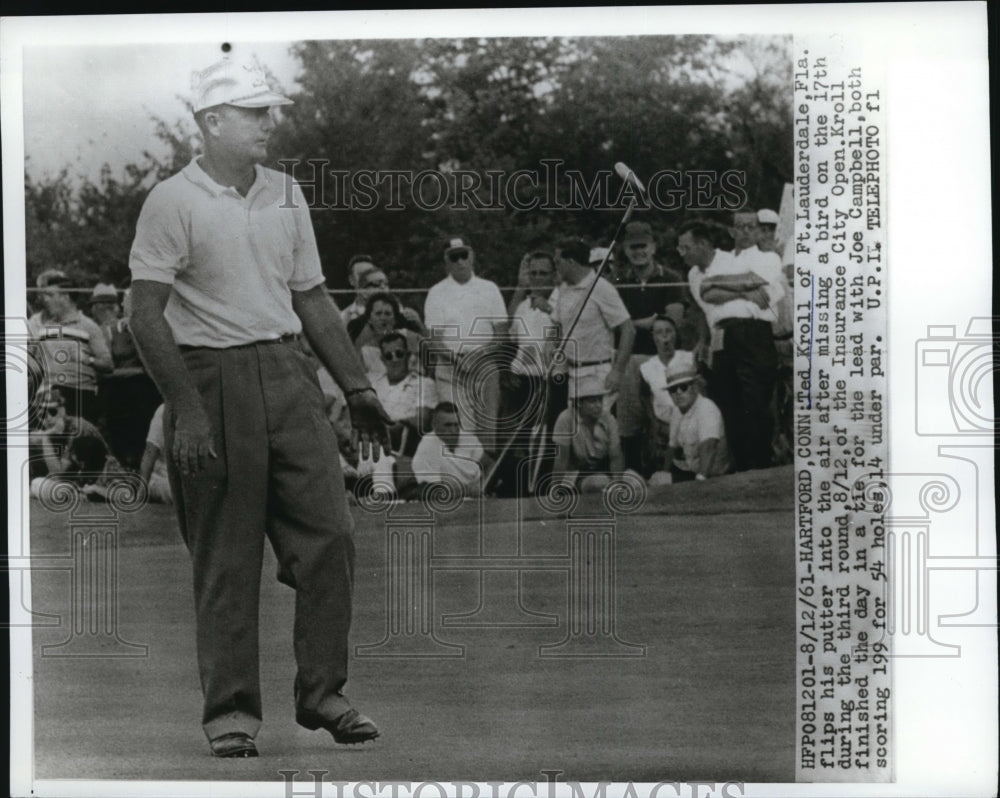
575, 249
389, 299
388, 338
664, 317
445, 407
701, 231
541, 254
359, 259
68, 285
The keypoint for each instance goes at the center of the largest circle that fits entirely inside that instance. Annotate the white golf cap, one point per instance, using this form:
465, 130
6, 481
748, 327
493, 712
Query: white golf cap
232, 83
682, 368
597, 255
767, 216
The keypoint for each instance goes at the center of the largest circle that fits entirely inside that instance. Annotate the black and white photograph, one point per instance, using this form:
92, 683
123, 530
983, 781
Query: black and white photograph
497, 403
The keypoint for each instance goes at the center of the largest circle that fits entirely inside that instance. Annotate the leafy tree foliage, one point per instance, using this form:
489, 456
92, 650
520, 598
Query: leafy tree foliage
466, 109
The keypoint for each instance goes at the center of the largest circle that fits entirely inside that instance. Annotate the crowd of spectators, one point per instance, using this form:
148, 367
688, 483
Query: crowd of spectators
576, 379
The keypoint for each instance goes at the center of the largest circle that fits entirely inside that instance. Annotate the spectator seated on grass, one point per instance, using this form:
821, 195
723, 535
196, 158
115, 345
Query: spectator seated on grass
588, 448
698, 448
73, 451
450, 451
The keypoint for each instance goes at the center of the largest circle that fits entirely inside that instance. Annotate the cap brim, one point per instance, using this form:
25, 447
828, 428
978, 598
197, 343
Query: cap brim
268, 100
457, 249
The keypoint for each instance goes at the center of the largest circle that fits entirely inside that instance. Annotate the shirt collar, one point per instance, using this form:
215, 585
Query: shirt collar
200, 177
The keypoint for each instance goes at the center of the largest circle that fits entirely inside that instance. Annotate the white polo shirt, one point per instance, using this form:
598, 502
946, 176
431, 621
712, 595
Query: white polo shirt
464, 312
702, 422
593, 338
766, 265
233, 261
532, 327
402, 400
433, 458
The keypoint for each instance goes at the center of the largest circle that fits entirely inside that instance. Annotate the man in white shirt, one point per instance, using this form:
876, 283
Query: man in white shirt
659, 407
467, 321
737, 294
590, 349
407, 397
449, 450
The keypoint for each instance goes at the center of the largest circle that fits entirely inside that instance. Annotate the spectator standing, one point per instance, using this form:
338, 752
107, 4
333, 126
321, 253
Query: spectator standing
737, 296
358, 267
648, 289
74, 350
467, 321
590, 350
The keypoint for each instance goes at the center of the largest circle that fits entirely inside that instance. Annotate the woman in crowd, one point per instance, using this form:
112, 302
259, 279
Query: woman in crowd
382, 315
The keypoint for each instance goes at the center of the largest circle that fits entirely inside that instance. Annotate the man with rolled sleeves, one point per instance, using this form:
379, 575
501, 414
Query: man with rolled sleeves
225, 280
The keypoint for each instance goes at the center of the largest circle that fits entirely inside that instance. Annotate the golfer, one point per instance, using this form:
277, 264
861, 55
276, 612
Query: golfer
226, 278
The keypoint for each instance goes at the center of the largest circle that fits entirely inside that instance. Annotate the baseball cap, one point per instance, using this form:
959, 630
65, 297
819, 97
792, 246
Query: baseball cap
49, 274
229, 82
681, 368
456, 244
597, 255
638, 233
767, 216
103, 292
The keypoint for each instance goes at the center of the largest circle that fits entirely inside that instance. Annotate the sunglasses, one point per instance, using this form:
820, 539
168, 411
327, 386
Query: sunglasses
395, 354
377, 284
679, 388
455, 257
52, 410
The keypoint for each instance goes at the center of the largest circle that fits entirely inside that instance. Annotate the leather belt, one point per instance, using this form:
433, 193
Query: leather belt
287, 338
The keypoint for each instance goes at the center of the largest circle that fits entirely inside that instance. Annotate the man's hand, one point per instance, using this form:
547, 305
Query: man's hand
192, 442
370, 423
411, 316
613, 380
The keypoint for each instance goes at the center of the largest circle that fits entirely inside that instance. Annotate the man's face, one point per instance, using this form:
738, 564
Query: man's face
56, 301
765, 238
446, 428
359, 270
372, 282
104, 312
382, 318
745, 230
459, 264
54, 419
665, 339
564, 266
693, 251
683, 395
590, 407
396, 359
540, 273
640, 253
244, 132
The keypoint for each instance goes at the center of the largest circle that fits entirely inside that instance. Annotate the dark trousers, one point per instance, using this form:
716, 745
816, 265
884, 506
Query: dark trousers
525, 395
277, 475
742, 384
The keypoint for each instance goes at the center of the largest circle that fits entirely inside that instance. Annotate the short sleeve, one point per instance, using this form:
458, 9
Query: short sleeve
498, 308
432, 308
428, 393
711, 421
307, 272
610, 303
562, 430
160, 248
